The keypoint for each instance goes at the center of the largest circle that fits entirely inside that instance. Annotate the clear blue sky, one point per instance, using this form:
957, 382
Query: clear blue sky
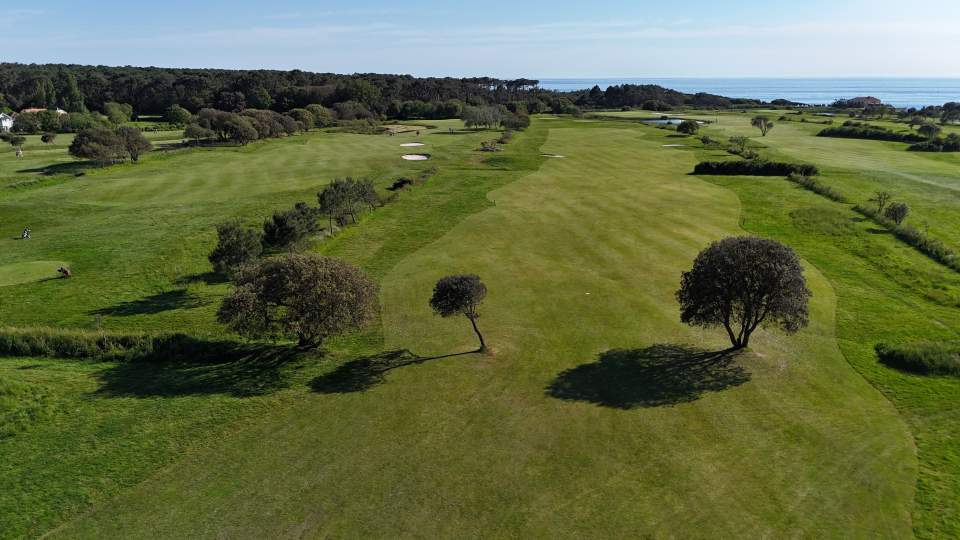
532, 38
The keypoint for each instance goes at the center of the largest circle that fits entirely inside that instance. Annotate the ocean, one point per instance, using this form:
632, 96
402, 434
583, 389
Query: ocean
900, 92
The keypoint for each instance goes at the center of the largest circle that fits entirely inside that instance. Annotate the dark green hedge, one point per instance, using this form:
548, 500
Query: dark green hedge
755, 167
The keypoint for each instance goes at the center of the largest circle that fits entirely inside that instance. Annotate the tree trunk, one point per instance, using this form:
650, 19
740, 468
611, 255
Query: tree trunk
483, 345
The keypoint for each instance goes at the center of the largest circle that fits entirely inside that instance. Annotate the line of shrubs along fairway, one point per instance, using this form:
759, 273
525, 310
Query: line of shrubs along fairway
926, 139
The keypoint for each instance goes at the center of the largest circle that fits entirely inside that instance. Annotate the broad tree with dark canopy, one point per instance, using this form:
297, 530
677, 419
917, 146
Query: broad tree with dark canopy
304, 296
460, 295
744, 282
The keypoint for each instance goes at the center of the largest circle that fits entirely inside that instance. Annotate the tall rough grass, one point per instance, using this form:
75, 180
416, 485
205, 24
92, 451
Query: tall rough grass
926, 358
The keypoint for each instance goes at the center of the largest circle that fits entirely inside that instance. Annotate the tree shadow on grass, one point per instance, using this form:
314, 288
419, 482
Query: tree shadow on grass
157, 303
366, 372
658, 375
70, 167
227, 368
209, 278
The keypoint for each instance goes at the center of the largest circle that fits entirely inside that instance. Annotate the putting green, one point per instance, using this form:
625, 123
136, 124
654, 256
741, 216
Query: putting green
29, 272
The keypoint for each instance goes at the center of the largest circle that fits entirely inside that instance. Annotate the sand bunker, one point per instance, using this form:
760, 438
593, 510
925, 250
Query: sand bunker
552, 155
412, 144
415, 157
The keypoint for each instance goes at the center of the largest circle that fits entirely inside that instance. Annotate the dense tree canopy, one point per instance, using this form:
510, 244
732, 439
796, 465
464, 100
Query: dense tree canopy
304, 296
741, 283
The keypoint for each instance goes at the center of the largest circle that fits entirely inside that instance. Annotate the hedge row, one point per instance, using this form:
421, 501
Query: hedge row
926, 358
931, 247
755, 167
819, 188
83, 344
863, 131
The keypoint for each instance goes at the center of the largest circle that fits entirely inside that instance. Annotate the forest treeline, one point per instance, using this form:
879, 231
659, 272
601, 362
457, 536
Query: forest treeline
152, 91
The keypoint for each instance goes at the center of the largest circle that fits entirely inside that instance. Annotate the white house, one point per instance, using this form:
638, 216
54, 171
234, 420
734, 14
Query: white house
6, 122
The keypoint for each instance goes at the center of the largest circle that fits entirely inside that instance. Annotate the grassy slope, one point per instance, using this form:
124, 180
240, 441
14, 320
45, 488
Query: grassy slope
116, 423
886, 290
474, 446
137, 235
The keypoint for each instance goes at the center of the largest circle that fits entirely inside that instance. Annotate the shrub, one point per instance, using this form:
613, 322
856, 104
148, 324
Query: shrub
288, 227
688, 127
99, 144
756, 167
489, 146
926, 358
48, 138
896, 212
236, 246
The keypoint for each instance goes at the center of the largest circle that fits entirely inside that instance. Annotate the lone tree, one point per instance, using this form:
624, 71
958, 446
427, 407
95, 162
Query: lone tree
304, 296
133, 142
48, 137
460, 295
762, 123
881, 198
236, 246
98, 144
688, 127
741, 283
897, 212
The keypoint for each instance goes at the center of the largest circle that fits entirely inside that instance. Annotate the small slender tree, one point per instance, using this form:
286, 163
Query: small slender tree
881, 198
762, 123
460, 295
741, 283
929, 131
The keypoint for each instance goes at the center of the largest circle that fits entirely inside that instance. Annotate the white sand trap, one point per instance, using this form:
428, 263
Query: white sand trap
415, 157
412, 144
552, 155
673, 145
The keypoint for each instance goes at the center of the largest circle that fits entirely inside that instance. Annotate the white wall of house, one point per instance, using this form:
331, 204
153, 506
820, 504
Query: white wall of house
6, 122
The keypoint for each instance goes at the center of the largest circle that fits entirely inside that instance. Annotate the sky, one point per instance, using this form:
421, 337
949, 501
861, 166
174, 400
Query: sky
519, 38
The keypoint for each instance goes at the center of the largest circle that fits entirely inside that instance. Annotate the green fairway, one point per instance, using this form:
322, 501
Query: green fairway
597, 414
582, 258
27, 272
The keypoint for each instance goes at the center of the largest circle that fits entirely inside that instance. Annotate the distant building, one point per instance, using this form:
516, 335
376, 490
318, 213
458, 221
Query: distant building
864, 101
60, 112
6, 122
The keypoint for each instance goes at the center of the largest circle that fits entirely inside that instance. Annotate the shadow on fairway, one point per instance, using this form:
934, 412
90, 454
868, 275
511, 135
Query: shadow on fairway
369, 371
658, 375
70, 167
209, 278
157, 303
228, 368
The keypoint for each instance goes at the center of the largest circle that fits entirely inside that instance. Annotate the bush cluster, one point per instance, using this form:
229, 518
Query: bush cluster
926, 358
755, 167
817, 187
950, 144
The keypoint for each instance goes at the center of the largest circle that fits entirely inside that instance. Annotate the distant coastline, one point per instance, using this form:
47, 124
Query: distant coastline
900, 92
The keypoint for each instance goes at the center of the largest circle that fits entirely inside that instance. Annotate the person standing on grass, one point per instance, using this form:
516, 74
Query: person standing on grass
26, 233
19, 152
